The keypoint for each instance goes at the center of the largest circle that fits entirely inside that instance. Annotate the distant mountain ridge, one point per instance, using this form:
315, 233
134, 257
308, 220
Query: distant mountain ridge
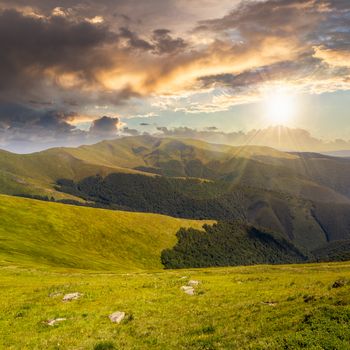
282, 191
38, 172
342, 153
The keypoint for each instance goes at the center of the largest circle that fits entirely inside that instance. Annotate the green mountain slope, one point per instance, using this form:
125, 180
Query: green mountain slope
39, 233
281, 191
308, 224
260, 167
36, 173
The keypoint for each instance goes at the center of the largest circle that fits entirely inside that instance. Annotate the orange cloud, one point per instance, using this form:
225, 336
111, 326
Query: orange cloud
334, 57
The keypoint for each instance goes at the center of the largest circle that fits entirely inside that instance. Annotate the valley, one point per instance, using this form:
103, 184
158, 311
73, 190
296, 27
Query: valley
129, 224
284, 192
174, 175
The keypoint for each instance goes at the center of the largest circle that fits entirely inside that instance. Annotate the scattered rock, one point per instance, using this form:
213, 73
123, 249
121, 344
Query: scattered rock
117, 317
183, 277
339, 283
188, 290
269, 303
193, 283
72, 296
54, 321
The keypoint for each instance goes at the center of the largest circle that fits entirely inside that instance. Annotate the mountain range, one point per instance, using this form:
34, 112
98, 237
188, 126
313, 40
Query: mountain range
303, 196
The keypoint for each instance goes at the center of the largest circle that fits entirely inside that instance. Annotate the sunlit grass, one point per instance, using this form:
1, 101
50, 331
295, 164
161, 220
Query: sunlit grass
258, 307
39, 234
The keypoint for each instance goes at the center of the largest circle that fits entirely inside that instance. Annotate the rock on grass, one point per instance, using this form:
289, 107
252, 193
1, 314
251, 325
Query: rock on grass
54, 321
72, 296
117, 317
188, 290
193, 283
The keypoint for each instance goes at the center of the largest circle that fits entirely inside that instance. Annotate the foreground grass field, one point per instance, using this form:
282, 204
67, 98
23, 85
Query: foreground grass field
113, 260
261, 307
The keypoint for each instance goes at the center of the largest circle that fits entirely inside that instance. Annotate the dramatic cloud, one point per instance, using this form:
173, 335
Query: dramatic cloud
334, 57
25, 130
105, 126
18, 118
65, 61
316, 59
165, 44
54, 53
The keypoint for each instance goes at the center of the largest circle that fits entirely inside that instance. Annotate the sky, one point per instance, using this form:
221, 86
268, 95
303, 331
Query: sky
79, 71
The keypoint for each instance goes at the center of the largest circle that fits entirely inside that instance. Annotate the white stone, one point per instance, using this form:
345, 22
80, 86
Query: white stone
193, 283
188, 290
269, 303
54, 321
117, 316
72, 296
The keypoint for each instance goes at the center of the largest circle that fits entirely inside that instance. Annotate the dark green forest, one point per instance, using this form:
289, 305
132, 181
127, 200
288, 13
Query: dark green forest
307, 223
185, 198
229, 244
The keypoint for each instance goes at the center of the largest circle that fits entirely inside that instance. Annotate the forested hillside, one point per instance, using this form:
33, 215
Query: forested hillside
229, 244
303, 196
306, 223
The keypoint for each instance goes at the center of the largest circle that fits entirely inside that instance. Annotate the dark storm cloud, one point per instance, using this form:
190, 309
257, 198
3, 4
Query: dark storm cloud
25, 129
69, 43
64, 53
37, 53
105, 126
61, 59
134, 40
160, 43
13, 116
164, 43
30, 45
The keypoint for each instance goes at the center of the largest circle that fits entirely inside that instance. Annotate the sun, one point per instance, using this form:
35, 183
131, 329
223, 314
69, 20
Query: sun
279, 105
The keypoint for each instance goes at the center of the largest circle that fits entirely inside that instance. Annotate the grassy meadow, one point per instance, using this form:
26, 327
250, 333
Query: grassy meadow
38, 233
261, 307
113, 259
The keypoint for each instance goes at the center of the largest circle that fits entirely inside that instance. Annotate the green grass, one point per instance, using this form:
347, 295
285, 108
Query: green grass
112, 258
42, 233
261, 307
